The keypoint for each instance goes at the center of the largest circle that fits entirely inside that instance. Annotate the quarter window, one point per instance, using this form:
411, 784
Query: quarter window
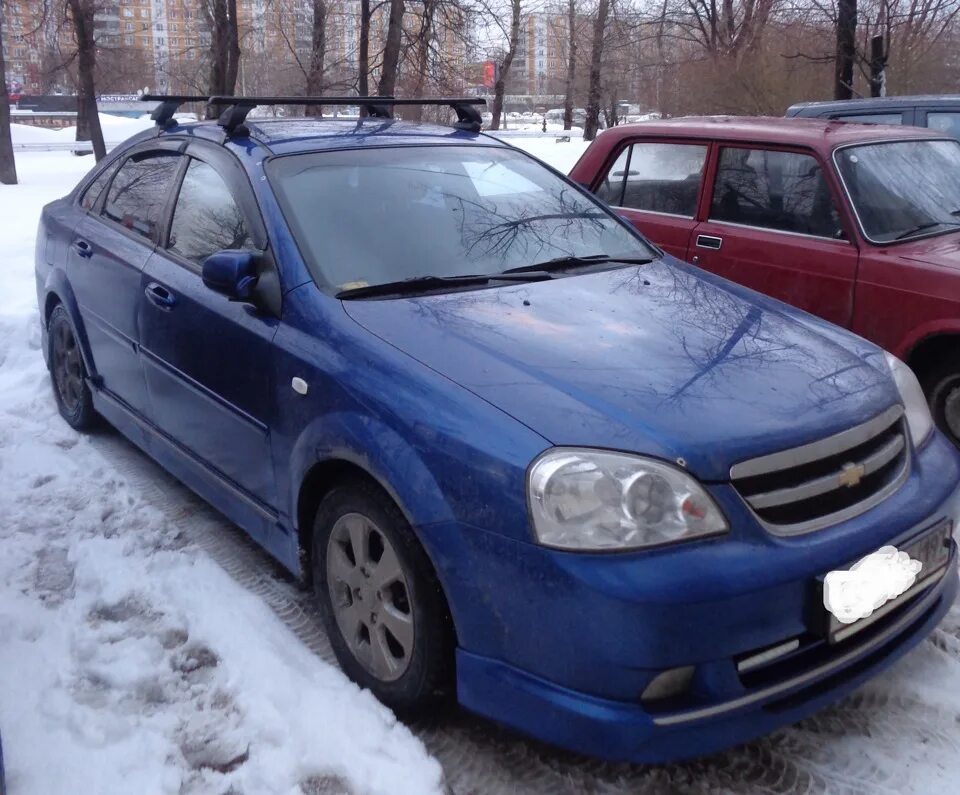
657, 177
948, 123
139, 192
95, 188
206, 218
774, 190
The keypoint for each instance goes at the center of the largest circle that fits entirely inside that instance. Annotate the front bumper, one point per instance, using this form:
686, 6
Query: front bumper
562, 646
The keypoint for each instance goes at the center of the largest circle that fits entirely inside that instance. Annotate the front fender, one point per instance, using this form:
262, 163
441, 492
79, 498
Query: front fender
377, 449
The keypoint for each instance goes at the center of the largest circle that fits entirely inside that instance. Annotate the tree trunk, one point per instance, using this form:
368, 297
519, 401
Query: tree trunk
363, 51
224, 50
423, 55
878, 66
499, 88
391, 50
846, 49
8, 166
596, 57
88, 120
318, 54
571, 64
233, 49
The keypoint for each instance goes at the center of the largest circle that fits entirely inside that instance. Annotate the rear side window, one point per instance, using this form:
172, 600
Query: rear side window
785, 191
657, 177
139, 192
95, 188
206, 218
871, 118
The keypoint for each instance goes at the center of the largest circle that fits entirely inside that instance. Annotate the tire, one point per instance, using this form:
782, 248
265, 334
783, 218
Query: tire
941, 384
406, 665
68, 373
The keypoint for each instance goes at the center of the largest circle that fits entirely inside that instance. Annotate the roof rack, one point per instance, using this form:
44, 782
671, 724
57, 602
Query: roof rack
169, 104
468, 118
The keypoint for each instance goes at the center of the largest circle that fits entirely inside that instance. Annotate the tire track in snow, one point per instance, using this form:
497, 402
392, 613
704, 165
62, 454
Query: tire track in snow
857, 746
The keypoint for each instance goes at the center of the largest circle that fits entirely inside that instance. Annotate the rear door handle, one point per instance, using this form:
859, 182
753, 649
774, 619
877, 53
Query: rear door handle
709, 241
83, 248
160, 296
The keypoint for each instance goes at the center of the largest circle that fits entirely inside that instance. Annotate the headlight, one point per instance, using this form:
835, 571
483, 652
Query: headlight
593, 500
915, 403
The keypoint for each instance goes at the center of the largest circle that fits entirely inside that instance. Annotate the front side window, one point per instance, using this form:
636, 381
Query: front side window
903, 189
871, 118
784, 191
139, 192
206, 218
379, 215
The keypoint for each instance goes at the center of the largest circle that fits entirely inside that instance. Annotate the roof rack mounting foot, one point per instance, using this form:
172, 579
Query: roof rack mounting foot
169, 105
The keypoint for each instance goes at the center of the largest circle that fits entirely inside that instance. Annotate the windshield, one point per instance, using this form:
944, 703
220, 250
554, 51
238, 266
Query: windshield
903, 189
380, 215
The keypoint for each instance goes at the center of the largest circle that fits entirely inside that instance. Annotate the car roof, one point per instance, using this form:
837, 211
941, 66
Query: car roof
866, 104
287, 136
822, 134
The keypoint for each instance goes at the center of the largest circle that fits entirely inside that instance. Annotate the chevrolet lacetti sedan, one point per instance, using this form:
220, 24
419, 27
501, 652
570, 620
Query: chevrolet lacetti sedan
520, 454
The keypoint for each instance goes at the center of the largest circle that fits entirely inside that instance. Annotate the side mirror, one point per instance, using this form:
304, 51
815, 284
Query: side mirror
231, 272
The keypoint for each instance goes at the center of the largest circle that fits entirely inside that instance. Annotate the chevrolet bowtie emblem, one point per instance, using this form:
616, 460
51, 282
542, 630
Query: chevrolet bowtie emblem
852, 474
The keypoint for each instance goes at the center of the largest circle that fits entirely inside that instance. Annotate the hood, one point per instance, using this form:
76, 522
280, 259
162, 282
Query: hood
660, 359
942, 251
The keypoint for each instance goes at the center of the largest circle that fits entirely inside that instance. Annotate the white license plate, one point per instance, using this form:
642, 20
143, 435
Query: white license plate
853, 594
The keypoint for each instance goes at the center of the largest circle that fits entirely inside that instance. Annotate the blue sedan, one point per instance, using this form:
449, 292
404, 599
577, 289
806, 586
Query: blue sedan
520, 454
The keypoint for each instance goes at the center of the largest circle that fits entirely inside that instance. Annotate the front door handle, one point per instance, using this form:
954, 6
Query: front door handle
83, 248
160, 296
709, 241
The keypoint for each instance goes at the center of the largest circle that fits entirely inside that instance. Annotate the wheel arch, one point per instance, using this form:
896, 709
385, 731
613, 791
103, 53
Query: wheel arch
928, 351
57, 292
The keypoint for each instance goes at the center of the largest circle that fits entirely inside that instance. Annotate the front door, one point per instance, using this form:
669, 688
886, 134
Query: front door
207, 360
774, 227
107, 255
655, 185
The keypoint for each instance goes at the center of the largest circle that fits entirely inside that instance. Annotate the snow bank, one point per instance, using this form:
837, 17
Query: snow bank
129, 661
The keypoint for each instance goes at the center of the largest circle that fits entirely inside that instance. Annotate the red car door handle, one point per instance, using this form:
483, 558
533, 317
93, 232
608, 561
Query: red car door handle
709, 241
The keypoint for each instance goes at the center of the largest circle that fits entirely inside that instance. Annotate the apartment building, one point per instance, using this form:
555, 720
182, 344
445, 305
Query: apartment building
540, 65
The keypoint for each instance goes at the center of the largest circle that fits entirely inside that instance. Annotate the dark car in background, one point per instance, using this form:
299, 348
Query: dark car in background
938, 112
859, 224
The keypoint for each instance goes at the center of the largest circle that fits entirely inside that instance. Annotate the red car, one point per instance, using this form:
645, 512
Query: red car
856, 223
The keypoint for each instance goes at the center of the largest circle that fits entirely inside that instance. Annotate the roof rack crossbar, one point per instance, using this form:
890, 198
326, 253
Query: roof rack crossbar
468, 118
169, 104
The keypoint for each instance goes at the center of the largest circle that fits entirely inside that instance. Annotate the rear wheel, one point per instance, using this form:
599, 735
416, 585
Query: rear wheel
941, 384
68, 372
383, 608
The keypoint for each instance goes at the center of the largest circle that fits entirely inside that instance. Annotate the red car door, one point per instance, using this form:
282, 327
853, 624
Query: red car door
772, 224
656, 186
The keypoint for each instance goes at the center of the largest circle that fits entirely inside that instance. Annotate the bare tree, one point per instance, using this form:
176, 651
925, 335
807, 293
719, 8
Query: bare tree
221, 17
571, 64
8, 166
592, 122
391, 50
88, 119
513, 42
846, 49
318, 53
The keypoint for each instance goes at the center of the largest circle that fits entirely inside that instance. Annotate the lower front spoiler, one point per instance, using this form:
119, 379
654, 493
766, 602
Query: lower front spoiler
624, 731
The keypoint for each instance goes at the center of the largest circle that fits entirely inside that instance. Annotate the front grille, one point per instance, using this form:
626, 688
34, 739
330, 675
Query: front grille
828, 481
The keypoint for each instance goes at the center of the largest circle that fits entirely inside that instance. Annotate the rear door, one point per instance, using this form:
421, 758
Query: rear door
207, 360
656, 186
108, 250
773, 225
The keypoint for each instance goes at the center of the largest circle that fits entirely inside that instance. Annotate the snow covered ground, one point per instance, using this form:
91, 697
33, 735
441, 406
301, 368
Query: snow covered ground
147, 647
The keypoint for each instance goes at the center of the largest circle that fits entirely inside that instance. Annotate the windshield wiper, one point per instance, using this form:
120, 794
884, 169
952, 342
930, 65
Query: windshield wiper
569, 263
419, 284
923, 227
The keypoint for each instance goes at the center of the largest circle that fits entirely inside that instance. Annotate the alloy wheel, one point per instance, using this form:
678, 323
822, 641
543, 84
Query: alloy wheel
370, 596
67, 368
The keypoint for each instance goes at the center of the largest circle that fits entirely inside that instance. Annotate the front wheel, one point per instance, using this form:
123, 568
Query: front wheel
942, 386
382, 605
